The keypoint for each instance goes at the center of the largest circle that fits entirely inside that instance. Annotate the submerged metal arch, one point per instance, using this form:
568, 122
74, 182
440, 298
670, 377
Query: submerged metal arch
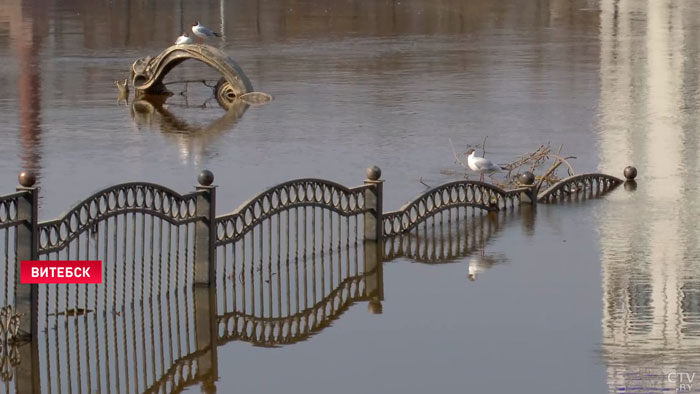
450, 195
147, 73
593, 183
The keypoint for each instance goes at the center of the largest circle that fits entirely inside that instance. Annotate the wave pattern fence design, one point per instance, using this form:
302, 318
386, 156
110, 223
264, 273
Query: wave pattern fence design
178, 281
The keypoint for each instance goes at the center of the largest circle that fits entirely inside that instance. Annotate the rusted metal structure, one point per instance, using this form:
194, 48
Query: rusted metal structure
147, 73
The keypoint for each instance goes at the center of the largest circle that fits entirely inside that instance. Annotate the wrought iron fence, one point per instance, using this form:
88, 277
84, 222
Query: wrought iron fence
451, 195
290, 261
178, 281
9, 221
579, 186
447, 237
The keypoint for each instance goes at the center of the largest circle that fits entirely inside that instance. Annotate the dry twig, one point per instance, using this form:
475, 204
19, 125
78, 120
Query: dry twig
527, 162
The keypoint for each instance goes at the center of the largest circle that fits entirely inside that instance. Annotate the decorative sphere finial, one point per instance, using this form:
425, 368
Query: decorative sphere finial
527, 178
630, 173
373, 173
205, 178
27, 178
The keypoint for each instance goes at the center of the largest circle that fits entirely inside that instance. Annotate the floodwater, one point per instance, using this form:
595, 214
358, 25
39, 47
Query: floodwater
597, 296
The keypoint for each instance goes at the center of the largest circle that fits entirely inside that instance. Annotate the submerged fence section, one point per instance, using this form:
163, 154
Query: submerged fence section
144, 235
178, 281
293, 259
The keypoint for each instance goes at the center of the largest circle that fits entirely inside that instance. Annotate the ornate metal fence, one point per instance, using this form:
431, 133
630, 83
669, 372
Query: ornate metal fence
178, 281
292, 259
577, 186
145, 236
446, 237
9, 222
460, 194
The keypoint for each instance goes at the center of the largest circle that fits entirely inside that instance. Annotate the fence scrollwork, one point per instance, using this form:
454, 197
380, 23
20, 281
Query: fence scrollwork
141, 197
149, 256
9, 354
8, 210
576, 184
450, 195
297, 193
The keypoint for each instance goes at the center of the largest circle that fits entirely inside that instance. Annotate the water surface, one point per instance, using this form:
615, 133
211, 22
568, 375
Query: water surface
586, 298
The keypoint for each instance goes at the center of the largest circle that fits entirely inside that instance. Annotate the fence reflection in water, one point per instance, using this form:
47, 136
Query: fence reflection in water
179, 281
447, 236
281, 281
122, 335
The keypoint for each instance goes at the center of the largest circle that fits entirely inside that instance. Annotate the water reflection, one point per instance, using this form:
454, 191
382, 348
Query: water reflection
649, 87
456, 236
28, 31
148, 329
483, 262
152, 112
482, 65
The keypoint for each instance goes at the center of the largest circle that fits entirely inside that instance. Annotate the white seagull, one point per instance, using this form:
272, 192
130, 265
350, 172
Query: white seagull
203, 32
184, 39
481, 165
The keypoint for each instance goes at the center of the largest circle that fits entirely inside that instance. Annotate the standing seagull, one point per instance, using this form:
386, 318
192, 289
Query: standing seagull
203, 32
481, 165
184, 39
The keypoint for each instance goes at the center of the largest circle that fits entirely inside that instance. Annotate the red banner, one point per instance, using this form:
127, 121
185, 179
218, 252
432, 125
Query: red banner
61, 271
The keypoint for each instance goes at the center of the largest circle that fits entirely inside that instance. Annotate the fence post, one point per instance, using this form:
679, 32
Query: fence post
373, 204
26, 301
373, 236
205, 231
26, 295
205, 331
527, 179
374, 277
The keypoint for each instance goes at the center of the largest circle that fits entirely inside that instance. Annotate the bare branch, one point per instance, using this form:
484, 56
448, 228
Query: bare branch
423, 183
457, 159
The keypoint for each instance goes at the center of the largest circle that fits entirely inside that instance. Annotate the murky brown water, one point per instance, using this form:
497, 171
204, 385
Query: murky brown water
596, 297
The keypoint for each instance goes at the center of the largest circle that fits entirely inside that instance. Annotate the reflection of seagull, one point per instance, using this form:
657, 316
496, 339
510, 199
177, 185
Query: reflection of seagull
184, 39
481, 165
480, 263
477, 265
203, 32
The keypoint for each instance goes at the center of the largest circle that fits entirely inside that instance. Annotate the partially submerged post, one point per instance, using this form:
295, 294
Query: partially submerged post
527, 179
373, 236
205, 231
205, 331
26, 295
26, 302
630, 173
373, 204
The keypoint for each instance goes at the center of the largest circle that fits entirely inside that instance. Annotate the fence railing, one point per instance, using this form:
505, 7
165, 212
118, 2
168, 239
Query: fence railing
585, 185
274, 271
452, 195
167, 239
